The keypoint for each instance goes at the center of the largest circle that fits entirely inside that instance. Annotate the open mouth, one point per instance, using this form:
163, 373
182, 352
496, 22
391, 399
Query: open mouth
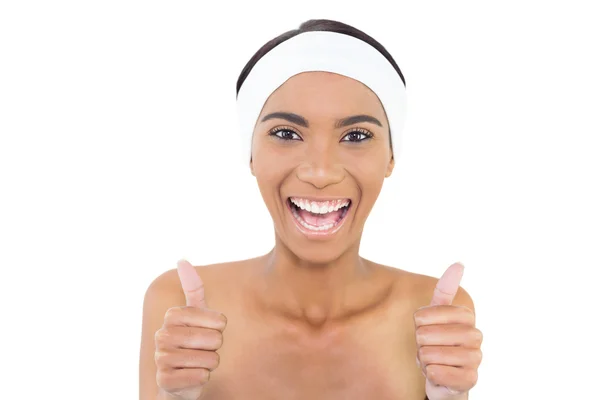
319, 217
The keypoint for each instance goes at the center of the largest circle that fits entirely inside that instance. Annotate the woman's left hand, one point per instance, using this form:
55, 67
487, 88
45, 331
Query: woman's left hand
448, 344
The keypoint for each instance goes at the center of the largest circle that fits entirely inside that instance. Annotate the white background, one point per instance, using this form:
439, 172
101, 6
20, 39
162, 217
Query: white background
119, 156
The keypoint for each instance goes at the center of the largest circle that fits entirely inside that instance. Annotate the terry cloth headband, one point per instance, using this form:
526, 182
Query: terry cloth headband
328, 52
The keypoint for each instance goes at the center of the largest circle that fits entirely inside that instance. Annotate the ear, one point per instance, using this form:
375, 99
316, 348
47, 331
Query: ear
252, 168
390, 167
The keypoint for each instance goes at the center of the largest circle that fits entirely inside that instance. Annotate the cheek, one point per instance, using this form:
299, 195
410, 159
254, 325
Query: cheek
369, 176
371, 185
267, 180
271, 163
268, 167
267, 156
269, 175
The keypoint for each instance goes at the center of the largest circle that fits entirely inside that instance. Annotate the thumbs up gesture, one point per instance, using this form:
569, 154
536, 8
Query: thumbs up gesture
448, 344
187, 342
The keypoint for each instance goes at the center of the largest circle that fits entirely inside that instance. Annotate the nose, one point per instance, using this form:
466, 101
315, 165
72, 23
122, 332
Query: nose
321, 168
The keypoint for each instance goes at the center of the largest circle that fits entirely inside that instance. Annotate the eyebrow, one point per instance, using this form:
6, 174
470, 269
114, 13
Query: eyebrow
355, 119
300, 120
291, 117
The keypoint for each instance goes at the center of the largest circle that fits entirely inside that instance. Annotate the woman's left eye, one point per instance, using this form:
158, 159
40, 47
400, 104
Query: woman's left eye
357, 136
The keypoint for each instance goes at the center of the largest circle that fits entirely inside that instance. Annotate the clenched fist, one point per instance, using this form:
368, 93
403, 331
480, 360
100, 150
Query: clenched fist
448, 343
187, 342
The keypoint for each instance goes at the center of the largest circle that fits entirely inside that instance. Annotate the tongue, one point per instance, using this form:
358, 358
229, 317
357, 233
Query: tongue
320, 219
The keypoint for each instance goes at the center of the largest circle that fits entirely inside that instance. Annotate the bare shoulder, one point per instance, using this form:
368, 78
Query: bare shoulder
418, 288
217, 278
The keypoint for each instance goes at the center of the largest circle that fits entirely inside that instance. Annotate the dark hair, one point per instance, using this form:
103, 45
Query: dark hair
312, 25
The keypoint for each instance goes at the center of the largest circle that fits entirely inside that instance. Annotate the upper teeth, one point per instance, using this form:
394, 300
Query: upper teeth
320, 207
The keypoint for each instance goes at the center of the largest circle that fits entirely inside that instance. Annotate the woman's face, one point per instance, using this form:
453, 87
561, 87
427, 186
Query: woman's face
320, 153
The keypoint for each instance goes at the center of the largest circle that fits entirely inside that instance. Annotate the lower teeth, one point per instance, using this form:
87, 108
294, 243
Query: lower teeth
313, 227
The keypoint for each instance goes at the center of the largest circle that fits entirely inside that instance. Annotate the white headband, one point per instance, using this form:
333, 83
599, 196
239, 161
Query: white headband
328, 52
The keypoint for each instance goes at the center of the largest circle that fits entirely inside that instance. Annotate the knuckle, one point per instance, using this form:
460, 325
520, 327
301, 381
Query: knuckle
420, 315
431, 373
214, 339
477, 357
172, 312
160, 379
213, 320
472, 377
477, 336
159, 358
468, 314
161, 337
219, 340
223, 319
423, 354
202, 376
417, 316
421, 333
164, 379
214, 360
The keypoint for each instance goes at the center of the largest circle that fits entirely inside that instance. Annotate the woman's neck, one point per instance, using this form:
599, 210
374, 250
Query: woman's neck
312, 292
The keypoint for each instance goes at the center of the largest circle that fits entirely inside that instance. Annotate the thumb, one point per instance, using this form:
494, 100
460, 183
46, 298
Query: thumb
448, 285
192, 284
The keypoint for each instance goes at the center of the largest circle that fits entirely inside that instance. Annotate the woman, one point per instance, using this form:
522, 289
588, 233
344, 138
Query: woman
321, 110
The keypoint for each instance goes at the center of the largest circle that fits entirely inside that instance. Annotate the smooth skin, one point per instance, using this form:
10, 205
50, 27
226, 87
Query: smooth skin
311, 319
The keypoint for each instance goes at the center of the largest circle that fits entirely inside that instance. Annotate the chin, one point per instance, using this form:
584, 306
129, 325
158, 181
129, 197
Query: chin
317, 254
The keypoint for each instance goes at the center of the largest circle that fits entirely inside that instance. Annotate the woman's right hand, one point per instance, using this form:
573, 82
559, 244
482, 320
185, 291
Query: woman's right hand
187, 342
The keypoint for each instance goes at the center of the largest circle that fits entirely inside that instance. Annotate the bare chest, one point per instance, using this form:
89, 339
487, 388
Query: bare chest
365, 360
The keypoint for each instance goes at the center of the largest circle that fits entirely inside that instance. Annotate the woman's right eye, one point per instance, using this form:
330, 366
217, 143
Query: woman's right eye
285, 134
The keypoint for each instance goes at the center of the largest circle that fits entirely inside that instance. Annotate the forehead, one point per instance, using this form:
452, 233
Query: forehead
322, 95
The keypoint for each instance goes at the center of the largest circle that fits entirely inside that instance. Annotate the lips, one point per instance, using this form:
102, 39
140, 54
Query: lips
318, 217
